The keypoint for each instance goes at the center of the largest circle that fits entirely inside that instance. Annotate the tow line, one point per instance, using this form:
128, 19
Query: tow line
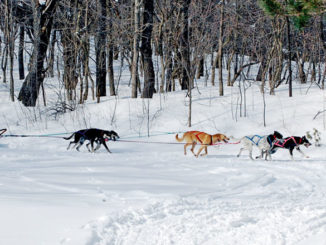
171, 143
2, 131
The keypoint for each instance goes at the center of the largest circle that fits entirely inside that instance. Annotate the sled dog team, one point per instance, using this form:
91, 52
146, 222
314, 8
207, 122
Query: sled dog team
267, 144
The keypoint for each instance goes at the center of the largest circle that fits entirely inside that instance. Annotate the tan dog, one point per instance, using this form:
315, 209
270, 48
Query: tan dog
194, 137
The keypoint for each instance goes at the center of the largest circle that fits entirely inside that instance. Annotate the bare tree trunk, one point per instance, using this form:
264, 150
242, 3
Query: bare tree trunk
4, 62
135, 54
51, 59
10, 37
184, 46
302, 74
146, 50
230, 58
289, 54
213, 65
220, 51
70, 60
101, 51
261, 69
85, 55
169, 65
110, 51
163, 70
110, 70
42, 30
200, 69
21, 53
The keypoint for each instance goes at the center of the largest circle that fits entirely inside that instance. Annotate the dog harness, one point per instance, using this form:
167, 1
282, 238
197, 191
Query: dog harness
84, 137
277, 143
270, 140
197, 133
252, 139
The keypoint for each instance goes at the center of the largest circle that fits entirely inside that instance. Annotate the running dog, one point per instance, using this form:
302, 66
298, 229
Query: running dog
93, 135
290, 143
264, 143
194, 137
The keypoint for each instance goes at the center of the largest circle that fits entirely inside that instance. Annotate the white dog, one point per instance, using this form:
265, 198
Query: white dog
264, 143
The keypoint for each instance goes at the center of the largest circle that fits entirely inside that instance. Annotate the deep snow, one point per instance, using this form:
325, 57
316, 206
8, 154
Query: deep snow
152, 193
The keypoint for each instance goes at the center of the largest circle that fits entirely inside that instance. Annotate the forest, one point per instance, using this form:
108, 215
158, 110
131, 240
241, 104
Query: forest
166, 45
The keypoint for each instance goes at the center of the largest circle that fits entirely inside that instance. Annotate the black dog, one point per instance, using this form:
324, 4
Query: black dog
93, 135
267, 144
290, 143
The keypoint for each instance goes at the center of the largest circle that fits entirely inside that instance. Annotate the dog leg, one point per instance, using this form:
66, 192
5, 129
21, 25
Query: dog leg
74, 146
200, 149
72, 142
261, 155
291, 153
92, 145
268, 155
87, 145
97, 146
80, 144
185, 147
302, 153
241, 149
250, 154
107, 148
204, 154
193, 148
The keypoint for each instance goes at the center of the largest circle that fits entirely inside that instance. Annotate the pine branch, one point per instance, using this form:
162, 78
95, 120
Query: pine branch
271, 7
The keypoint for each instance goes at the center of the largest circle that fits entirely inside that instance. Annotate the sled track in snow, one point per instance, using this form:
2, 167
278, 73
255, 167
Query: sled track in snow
208, 222
280, 203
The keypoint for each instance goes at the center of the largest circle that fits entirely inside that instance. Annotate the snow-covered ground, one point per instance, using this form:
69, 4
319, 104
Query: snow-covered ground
152, 193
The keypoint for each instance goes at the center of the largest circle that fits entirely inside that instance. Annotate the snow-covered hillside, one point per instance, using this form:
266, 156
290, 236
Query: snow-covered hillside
153, 194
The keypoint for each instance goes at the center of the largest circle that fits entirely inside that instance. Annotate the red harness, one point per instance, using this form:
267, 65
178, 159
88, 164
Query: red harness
286, 140
197, 133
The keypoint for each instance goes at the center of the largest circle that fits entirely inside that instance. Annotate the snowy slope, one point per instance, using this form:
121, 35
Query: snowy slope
152, 193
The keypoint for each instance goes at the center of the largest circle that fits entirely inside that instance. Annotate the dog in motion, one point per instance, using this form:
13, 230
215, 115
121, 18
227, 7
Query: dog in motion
93, 135
290, 143
264, 143
196, 137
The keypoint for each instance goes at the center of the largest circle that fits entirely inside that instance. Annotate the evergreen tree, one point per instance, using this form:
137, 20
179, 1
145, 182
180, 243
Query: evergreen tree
299, 11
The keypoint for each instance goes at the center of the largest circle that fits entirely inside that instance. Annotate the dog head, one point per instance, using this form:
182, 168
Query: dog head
110, 135
277, 135
305, 141
113, 135
224, 138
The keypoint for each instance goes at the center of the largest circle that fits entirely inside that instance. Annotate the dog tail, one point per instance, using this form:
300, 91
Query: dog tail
68, 138
179, 139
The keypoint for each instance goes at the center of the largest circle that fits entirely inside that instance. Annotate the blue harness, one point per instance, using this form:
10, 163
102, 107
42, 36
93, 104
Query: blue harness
83, 138
252, 139
270, 141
